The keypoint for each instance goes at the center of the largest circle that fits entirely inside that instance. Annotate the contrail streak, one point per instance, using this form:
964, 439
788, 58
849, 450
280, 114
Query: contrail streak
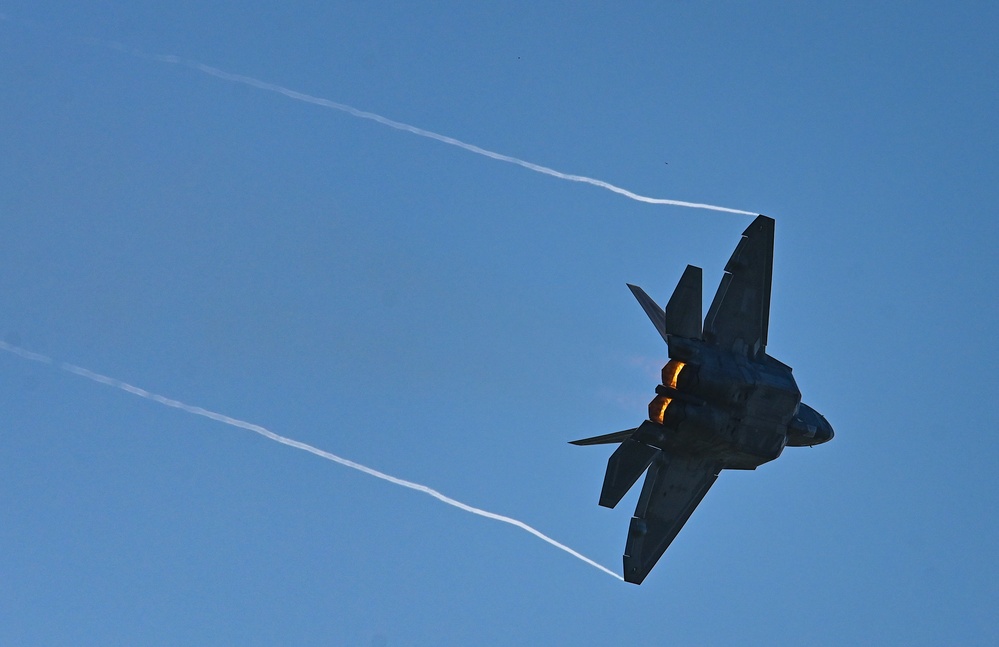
398, 125
266, 433
20, 352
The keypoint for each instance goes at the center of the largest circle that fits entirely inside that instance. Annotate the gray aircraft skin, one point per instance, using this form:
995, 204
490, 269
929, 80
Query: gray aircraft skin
723, 402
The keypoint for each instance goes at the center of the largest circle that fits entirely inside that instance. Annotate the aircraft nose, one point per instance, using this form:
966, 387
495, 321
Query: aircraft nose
824, 433
808, 427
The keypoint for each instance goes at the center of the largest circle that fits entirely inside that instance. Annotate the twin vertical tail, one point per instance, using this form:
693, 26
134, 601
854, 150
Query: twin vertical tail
683, 312
681, 318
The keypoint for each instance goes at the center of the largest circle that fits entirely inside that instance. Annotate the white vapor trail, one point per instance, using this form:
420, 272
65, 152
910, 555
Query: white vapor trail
266, 433
398, 125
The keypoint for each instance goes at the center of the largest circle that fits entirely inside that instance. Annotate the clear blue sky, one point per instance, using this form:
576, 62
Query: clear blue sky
454, 320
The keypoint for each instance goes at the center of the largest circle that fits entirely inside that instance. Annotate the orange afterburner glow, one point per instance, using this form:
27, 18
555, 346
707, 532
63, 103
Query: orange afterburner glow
657, 408
671, 371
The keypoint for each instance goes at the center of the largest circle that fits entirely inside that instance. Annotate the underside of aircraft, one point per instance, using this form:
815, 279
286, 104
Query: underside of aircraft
723, 403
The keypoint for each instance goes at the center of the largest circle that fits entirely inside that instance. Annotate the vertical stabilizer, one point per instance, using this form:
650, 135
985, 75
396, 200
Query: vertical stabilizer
683, 312
652, 309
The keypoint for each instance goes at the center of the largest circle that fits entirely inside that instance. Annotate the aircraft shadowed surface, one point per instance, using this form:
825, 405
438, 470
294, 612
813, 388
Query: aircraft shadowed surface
723, 402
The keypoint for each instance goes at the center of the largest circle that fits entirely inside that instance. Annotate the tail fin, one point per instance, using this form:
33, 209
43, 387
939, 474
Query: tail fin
683, 312
682, 316
656, 314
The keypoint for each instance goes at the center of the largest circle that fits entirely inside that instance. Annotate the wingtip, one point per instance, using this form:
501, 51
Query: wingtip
760, 222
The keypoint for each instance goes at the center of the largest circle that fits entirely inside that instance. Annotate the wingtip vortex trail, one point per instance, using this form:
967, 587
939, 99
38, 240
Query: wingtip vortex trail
173, 59
290, 442
445, 139
250, 81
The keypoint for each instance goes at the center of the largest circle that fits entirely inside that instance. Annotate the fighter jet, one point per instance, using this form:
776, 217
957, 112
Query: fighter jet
723, 402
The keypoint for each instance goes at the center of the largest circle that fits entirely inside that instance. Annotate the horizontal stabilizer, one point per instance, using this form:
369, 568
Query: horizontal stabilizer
656, 314
606, 439
626, 464
683, 312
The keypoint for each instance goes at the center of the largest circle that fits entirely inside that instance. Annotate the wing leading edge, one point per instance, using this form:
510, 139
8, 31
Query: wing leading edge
673, 488
740, 312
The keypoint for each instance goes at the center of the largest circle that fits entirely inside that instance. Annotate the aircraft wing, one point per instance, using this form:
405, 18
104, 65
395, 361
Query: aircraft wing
740, 312
673, 488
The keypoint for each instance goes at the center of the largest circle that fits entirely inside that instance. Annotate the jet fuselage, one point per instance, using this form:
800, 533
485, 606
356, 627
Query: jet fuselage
723, 402
727, 407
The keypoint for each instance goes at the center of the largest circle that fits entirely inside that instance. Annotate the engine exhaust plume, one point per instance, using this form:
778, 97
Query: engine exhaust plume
270, 435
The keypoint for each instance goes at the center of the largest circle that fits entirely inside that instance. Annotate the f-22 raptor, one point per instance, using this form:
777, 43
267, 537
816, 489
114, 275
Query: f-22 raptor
723, 402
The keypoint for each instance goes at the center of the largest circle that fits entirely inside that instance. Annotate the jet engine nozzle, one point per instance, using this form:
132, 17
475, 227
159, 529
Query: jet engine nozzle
711, 383
671, 372
664, 398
